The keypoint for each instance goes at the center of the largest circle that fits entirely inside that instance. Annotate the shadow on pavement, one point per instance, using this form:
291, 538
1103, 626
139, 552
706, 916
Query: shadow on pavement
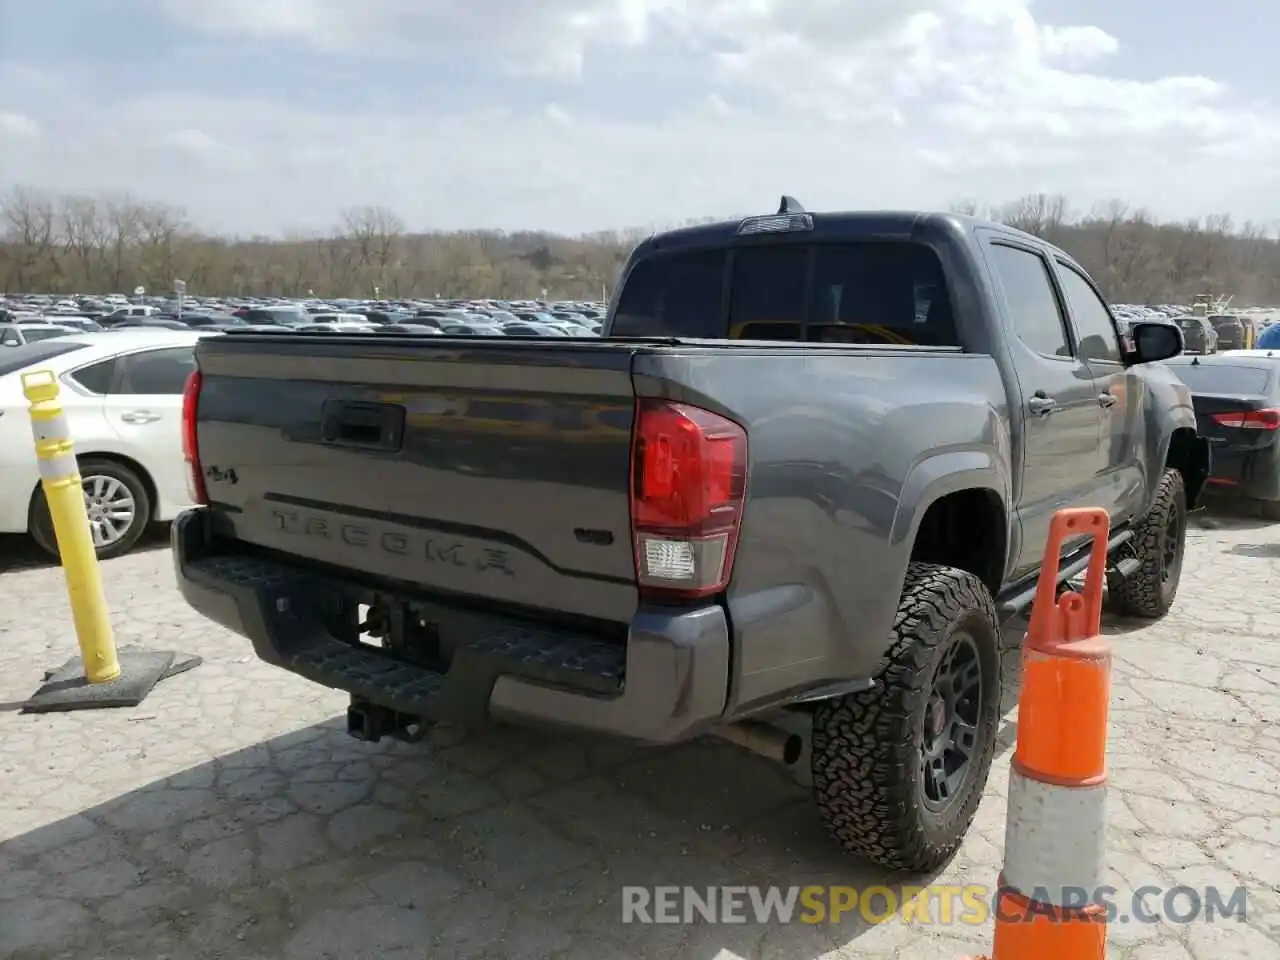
1219, 514
1260, 551
510, 844
19, 552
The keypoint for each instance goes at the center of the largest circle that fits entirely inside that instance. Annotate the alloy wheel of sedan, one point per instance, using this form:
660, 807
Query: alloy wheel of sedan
111, 508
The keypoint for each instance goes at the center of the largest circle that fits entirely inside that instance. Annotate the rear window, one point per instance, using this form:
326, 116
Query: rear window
1224, 378
13, 359
850, 292
42, 333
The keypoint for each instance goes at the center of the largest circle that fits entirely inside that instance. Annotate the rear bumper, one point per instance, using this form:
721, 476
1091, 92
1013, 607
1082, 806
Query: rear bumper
669, 682
1248, 475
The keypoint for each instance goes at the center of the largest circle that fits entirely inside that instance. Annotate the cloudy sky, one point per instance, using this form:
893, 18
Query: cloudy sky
268, 115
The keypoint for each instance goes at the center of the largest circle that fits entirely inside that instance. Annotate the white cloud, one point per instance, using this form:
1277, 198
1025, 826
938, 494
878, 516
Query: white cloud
211, 153
877, 103
17, 127
193, 141
1077, 45
540, 36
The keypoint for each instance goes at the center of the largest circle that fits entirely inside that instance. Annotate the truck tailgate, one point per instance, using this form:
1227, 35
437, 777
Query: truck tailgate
484, 470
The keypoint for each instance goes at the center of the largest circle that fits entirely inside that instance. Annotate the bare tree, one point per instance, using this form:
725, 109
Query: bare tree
1040, 214
110, 244
374, 231
30, 224
160, 230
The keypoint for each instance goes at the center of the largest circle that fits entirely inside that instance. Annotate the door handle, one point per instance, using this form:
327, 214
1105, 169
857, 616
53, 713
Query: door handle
1041, 405
139, 416
1106, 399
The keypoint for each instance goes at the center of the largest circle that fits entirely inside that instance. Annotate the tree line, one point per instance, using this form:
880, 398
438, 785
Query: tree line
52, 243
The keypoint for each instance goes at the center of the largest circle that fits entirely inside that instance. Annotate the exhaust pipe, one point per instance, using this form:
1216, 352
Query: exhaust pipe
764, 739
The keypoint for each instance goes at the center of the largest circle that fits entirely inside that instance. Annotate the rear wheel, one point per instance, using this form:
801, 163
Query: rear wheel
116, 500
1159, 542
898, 771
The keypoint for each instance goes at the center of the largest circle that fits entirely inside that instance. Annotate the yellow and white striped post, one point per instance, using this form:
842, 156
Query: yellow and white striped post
60, 478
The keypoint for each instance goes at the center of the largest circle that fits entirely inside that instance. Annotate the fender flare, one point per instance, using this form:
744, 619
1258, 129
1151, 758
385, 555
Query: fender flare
943, 473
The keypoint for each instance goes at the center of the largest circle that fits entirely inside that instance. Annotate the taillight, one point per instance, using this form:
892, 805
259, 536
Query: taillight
1250, 419
190, 445
688, 486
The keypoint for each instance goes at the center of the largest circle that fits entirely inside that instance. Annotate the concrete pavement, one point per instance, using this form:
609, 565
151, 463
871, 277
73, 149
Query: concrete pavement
231, 817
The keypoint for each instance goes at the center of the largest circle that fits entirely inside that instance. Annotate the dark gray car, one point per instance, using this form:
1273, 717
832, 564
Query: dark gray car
802, 479
1198, 334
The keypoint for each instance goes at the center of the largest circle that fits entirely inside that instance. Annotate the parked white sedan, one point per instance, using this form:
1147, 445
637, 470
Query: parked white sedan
122, 393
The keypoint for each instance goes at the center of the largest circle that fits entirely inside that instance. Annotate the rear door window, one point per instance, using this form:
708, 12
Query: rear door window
97, 377
1032, 302
156, 372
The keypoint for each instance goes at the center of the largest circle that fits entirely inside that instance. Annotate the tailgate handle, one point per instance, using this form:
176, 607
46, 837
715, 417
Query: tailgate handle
356, 423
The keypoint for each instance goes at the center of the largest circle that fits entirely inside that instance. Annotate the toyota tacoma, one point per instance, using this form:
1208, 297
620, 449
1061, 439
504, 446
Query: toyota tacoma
805, 476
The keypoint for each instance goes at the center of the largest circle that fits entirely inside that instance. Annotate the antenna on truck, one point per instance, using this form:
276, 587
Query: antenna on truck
789, 205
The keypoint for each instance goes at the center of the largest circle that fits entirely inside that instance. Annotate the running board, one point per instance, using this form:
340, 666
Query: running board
1023, 596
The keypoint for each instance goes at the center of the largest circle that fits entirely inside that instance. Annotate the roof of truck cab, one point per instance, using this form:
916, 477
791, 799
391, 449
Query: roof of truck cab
853, 224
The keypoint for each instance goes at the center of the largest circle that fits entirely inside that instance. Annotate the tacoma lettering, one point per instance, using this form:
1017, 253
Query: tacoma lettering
450, 554
354, 535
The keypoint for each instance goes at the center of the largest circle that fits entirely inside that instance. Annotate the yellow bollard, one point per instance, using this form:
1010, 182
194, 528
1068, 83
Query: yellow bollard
60, 477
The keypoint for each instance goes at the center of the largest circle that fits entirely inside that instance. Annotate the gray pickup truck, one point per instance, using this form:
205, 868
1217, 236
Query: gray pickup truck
804, 477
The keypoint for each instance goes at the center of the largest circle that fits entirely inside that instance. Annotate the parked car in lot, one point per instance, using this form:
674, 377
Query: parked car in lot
669, 532
1198, 334
75, 321
1237, 403
1234, 332
291, 315
122, 393
129, 312
212, 321
337, 327
17, 334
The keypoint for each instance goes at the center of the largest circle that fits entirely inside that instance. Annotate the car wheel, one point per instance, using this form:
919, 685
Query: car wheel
117, 502
899, 771
1159, 542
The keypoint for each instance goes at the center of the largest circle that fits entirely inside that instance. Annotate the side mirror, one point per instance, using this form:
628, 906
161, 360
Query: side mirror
1153, 342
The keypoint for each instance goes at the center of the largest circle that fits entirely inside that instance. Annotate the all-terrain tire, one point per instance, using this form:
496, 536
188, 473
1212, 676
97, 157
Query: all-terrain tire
867, 758
1149, 592
40, 522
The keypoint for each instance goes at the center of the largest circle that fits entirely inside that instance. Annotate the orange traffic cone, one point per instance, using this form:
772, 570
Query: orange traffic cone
1055, 831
